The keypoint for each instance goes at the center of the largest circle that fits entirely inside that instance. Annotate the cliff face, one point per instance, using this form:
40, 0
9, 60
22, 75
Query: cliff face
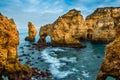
31, 32
9, 40
103, 21
67, 29
104, 30
99, 27
111, 63
99, 13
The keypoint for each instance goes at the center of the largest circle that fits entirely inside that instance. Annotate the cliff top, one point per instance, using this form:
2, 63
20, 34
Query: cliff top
104, 11
72, 12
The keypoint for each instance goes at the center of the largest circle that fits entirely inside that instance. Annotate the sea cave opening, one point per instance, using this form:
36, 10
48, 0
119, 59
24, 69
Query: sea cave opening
48, 39
89, 36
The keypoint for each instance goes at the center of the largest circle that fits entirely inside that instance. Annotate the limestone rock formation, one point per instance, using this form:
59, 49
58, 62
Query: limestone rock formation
67, 29
9, 40
31, 32
111, 63
104, 30
102, 23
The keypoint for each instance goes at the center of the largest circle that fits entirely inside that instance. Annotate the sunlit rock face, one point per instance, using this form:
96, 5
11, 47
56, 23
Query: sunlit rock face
31, 32
9, 40
111, 63
103, 22
67, 29
104, 30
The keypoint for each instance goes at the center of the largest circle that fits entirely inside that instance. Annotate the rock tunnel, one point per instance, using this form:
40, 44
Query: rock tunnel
48, 39
89, 34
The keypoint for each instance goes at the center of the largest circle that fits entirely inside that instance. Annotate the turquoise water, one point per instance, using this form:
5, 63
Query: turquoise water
63, 63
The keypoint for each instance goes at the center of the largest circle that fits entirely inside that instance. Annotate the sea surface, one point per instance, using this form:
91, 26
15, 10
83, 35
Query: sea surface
64, 63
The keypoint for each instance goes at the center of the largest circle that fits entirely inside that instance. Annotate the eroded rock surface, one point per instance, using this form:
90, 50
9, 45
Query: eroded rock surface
102, 22
9, 40
111, 63
31, 32
104, 30
67, 29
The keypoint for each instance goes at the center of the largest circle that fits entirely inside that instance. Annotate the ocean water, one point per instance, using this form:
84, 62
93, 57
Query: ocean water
63, 63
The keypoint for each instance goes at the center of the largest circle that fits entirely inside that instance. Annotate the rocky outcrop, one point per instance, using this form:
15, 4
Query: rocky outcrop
104, 30
111, 63
9, 40
102, 22
66, 30
31, 32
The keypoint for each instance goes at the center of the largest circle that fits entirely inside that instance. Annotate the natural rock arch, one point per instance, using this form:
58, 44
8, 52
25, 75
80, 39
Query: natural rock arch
66, 30
45, 38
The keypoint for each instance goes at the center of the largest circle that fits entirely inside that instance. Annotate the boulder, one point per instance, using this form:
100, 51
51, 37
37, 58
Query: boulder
66, 30
9, 40
31, 32
102, 22
111, 63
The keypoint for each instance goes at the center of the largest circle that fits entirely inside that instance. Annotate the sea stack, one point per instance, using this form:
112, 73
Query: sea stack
66, 30
31, 32
111, 63
9, 40
102, 23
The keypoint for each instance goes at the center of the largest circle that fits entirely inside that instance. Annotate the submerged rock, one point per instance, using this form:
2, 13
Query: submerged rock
102, 23
9, 40
66, 30
31, 32
41, 75
111, 63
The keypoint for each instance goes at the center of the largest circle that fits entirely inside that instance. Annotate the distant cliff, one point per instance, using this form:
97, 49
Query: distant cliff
67, 29
102, 23
99, 13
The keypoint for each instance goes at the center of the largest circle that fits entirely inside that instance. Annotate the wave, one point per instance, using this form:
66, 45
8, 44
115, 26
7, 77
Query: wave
57, 63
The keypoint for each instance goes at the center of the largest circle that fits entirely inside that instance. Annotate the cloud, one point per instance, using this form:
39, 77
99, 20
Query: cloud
34, 1
41, 11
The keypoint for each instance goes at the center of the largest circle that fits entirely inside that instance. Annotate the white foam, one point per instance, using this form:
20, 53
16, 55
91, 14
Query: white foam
57, 49
82, 66
55, 63
73, 59
74, 70
50, 59
59, 74
33, 78
85, 74
80, 79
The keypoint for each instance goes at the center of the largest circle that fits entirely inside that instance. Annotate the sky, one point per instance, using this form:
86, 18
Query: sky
41, 12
